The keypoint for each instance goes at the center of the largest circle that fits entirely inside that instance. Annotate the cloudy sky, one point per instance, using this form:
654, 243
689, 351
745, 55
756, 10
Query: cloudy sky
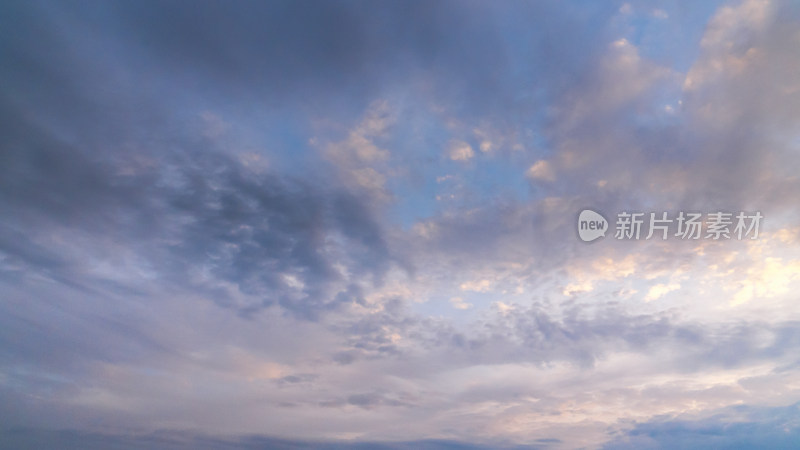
353, 224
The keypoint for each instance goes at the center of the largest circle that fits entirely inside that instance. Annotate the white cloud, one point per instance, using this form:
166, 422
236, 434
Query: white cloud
766, 279
541, 170
660, 290
476, 286
486, 140
460, 151
363, 164
727, 46
444, 178
459, 303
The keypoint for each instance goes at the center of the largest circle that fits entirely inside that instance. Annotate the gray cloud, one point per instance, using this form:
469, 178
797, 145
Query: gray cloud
740, 427
67, 439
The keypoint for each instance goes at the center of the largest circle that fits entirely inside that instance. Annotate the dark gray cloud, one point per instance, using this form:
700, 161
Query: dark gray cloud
67, 439
334, 57
88, 115
176, 199
579, 335
739, 427
195, 211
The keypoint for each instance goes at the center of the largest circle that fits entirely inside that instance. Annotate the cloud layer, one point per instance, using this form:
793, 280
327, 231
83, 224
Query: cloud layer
352, 225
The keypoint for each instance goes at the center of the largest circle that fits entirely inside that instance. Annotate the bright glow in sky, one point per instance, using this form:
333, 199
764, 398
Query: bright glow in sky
313, 224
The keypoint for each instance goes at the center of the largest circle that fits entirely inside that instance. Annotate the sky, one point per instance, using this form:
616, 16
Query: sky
354, 224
